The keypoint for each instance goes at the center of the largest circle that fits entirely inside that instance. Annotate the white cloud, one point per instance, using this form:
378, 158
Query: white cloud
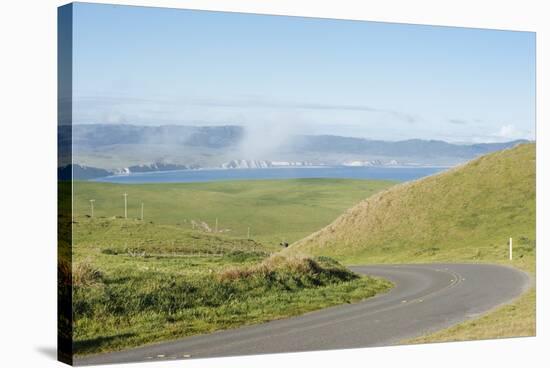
212, 111
509, 131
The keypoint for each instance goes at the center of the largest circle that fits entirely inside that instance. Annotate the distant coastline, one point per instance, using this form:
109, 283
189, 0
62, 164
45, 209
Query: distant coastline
399, 174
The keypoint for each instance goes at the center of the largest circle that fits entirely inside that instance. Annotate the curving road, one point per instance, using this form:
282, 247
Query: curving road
425, 298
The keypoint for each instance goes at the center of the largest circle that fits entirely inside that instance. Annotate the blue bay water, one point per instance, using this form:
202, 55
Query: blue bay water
337, 172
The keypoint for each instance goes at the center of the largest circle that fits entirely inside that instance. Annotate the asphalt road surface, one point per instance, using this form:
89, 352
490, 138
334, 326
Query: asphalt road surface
425, 298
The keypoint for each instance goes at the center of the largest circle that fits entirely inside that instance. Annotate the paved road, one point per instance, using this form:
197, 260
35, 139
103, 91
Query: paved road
425, 298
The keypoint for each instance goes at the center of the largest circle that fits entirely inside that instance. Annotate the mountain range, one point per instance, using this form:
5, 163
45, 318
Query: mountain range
119, 148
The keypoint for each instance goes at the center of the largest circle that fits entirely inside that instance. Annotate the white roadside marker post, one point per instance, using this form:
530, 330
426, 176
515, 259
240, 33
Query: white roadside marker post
510, 249
125, 205
92, 205
141, 211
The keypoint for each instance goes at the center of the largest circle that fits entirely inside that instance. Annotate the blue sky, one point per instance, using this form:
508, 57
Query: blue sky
153, 66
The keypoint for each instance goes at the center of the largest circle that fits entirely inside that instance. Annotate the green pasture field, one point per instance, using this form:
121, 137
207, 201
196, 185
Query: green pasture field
142, 281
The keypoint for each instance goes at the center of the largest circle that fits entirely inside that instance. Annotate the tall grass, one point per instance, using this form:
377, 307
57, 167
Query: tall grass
83, 274
183, 305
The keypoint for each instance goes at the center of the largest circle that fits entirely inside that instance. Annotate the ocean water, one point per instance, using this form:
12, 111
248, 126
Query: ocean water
337, 172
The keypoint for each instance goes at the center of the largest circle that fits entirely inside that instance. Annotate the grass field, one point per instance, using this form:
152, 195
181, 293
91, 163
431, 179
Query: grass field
137, 282
464, 215
275, 210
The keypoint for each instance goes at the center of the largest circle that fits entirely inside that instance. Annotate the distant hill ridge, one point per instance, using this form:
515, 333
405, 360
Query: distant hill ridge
97, 135
409, 147
466, 213
115, 146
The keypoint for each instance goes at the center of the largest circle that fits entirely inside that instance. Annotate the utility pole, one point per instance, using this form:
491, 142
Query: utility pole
125, 205
216, 229
141, 211
92, 207
510, 244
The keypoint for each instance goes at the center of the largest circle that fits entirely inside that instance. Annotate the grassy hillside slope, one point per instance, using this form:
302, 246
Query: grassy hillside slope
465, 214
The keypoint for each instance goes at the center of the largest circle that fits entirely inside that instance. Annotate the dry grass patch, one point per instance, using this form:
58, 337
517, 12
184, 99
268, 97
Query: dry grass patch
85, 274
512, 320
273, 264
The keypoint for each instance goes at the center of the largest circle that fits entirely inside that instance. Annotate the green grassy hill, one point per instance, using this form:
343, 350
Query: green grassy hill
465, 214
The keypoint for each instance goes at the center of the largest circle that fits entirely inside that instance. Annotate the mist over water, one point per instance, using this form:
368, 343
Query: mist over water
264, 140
